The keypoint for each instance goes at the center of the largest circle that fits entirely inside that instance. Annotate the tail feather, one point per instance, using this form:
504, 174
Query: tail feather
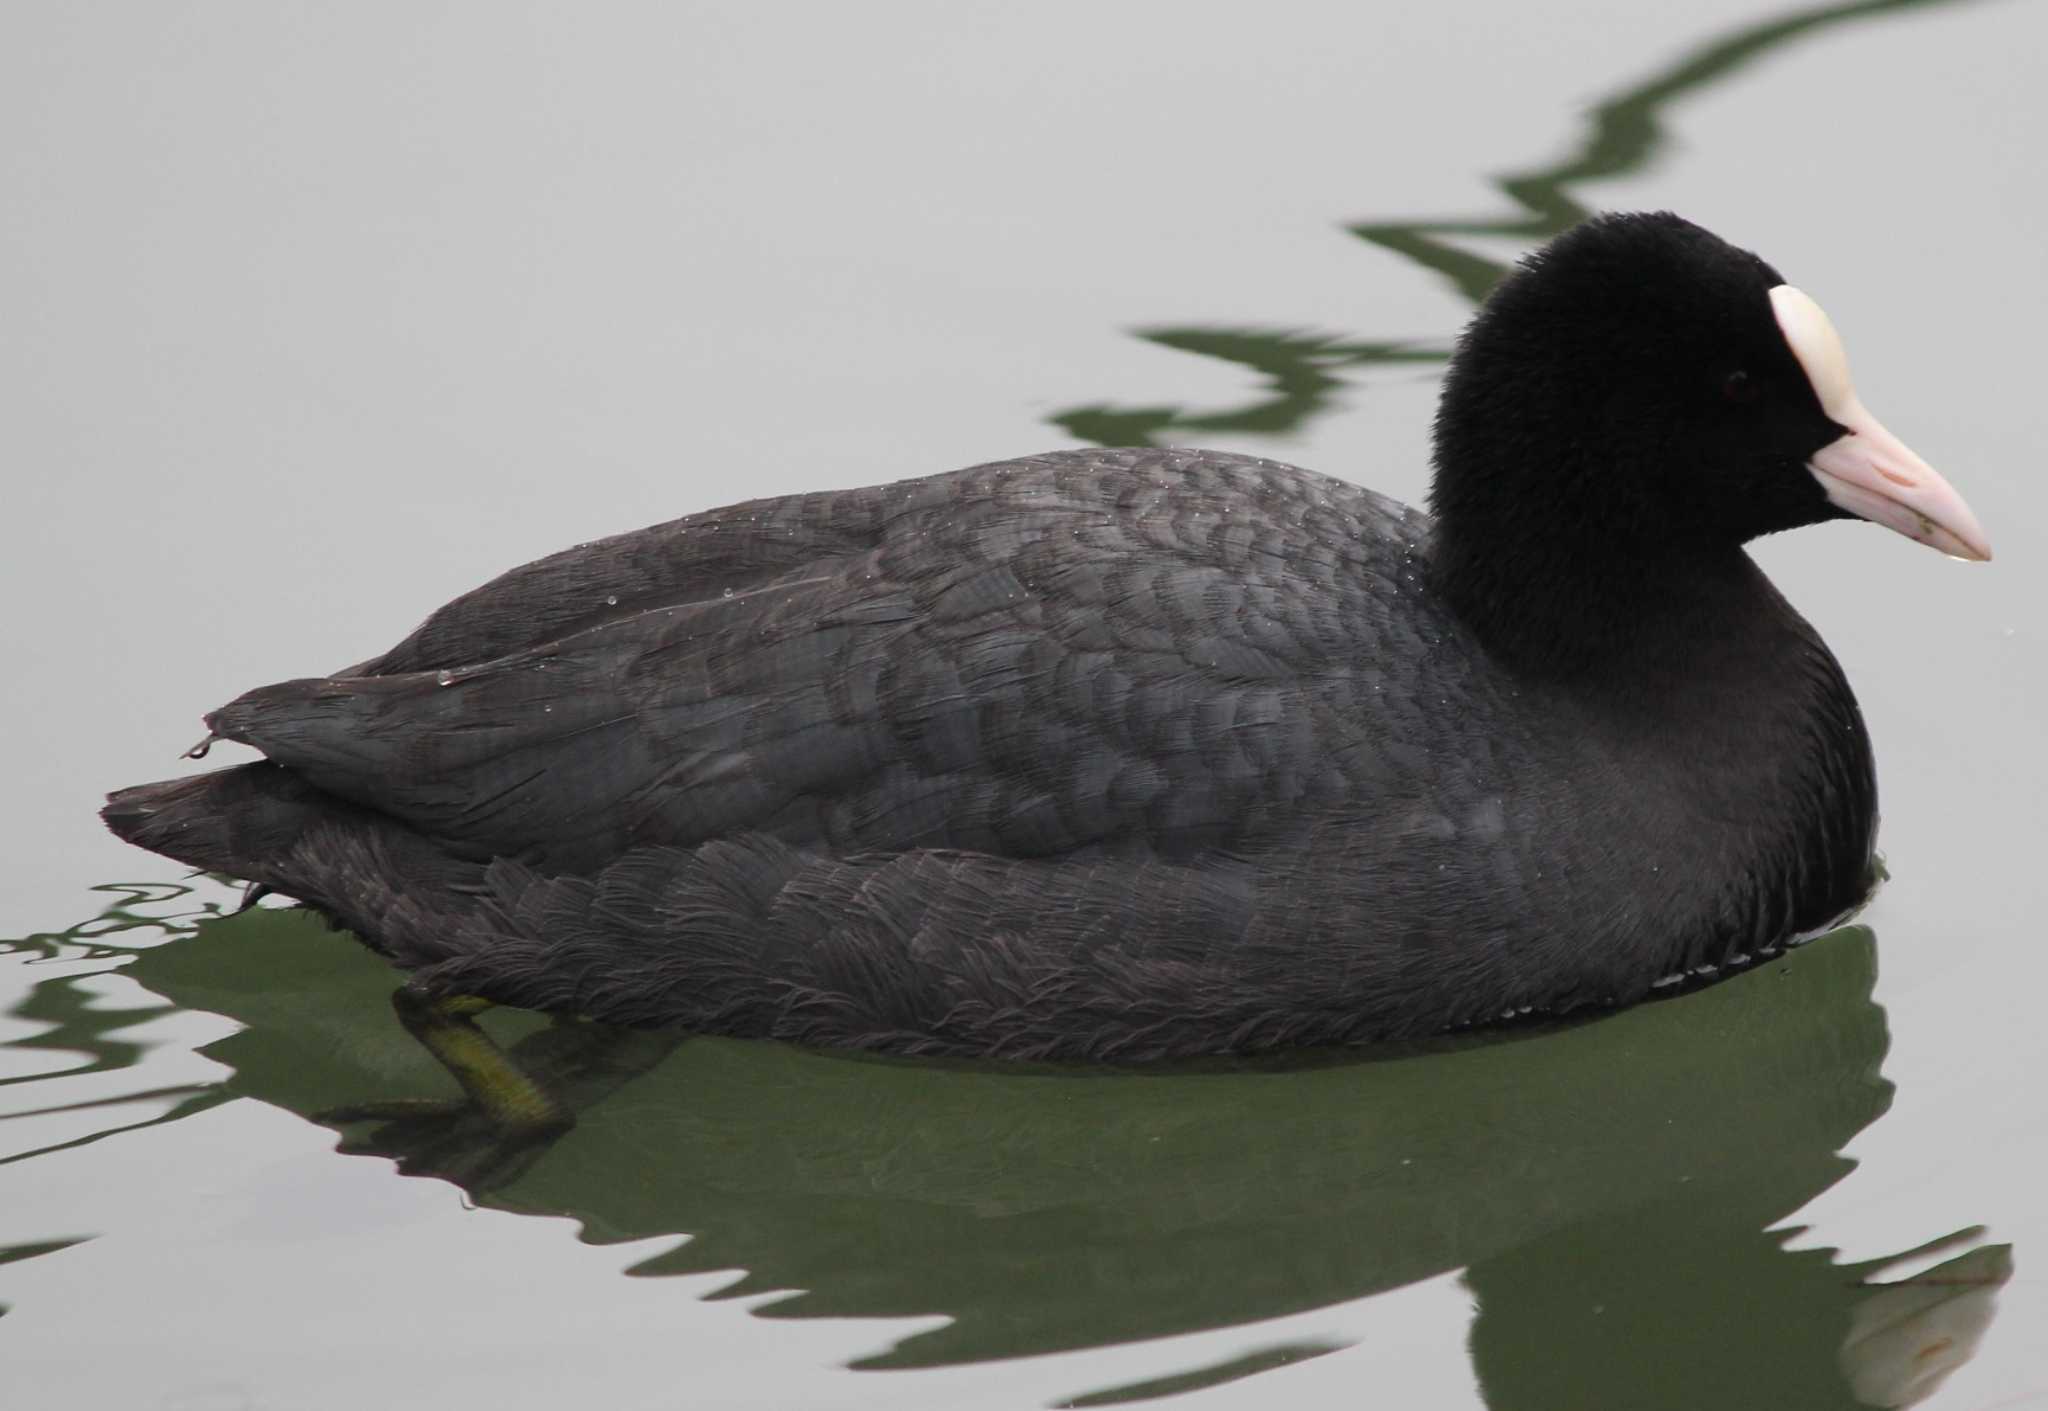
234, 821
401, 892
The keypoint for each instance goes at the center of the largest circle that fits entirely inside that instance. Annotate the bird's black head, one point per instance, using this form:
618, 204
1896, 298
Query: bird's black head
1642, 391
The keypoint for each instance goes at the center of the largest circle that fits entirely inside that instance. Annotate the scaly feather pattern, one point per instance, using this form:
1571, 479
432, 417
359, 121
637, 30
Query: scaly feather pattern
1112, 754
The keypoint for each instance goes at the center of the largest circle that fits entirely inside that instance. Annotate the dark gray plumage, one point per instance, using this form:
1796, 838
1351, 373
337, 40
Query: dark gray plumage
1097, 753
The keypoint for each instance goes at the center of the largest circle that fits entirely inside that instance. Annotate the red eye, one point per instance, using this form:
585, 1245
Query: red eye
1739, 388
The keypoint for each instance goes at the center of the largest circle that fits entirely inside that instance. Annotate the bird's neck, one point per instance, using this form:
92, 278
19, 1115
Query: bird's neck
1688, 663
1552, 602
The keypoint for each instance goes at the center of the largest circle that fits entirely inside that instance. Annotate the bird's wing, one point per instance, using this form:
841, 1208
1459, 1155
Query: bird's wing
696, 557
1043, 657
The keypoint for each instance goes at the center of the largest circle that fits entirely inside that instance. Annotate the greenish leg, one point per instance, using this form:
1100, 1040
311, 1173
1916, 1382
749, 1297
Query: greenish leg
446, 1027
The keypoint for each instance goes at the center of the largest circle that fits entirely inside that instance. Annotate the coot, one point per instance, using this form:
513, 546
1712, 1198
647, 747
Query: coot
1131, 754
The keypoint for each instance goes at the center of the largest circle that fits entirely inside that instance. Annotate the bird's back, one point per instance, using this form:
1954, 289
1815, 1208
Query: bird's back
1170, 650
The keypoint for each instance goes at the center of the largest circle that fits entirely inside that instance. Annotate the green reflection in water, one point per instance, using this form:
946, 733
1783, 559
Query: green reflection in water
73, 1021
1610, 1187
1303, 372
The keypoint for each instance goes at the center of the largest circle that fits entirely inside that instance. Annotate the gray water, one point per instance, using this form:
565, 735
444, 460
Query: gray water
315, 316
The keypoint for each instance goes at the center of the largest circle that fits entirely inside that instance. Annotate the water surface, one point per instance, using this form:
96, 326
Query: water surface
322, 317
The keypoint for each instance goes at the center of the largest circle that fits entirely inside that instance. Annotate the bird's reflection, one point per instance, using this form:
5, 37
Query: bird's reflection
1612, 1188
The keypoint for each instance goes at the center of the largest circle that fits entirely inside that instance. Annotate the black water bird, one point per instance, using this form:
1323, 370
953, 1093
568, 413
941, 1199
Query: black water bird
1143, 753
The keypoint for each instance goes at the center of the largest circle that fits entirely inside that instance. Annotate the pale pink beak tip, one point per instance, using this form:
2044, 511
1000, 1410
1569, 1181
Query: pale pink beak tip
1873, 475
